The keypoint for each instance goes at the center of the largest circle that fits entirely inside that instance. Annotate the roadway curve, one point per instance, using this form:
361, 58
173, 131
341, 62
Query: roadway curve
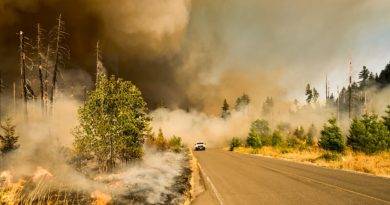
233, 178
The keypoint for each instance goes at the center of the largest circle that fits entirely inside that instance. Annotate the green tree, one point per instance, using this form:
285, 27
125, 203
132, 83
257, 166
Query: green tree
276, 139
331, 137
300, 133
9, 139
310, 135
113, 123
309, 94
225, 110
175, 144
386, 118
242, 102
315, 95
161, 142
236, 142
364, 75
368, 134
268, 106
259, 134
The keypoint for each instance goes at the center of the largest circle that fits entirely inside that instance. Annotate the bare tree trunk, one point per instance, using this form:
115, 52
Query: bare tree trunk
97, 63
46, 81
23, 72
1, 92
56, 62
14, 88
40, 66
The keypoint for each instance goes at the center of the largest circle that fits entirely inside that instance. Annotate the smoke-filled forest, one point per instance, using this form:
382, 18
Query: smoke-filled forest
102, 102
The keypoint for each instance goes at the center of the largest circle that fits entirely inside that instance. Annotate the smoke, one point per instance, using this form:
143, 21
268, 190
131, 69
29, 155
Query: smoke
173, 49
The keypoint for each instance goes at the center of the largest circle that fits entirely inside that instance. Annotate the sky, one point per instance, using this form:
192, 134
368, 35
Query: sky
196, 53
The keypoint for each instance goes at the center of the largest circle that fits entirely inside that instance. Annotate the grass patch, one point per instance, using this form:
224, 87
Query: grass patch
378, 164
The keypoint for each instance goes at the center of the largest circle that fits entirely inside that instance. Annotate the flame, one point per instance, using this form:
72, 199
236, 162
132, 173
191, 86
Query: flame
101, 198
40, 173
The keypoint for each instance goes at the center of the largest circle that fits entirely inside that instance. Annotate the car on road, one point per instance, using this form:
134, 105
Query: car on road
200, 146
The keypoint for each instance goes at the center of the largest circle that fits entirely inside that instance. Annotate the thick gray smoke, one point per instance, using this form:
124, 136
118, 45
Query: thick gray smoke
195, 53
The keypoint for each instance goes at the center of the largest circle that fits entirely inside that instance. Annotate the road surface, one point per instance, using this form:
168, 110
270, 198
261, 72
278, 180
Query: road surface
233, 178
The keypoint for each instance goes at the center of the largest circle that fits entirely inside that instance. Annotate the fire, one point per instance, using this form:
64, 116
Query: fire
40, 173
101, 198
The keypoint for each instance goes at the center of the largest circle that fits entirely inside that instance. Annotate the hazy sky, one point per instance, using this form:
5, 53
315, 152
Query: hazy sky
196, 53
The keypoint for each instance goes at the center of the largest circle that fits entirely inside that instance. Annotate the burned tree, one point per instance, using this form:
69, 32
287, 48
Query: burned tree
23, 71
39, 64
59, 54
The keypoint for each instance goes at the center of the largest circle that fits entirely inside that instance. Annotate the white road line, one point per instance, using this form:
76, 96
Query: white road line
217, 194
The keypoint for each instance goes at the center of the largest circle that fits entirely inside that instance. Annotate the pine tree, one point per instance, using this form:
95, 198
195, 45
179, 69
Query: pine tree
309, 94
225, 110
368, 134
331, 137
364, 75
386, 118
161, 142
9, 139
315, 95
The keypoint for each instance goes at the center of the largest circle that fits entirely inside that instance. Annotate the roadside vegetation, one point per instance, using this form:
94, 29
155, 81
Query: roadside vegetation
365, 148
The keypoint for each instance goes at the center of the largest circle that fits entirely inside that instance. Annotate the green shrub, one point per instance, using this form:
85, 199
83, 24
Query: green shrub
331, 157
300, 133
292, 142
276, 139
368, 135
254, 140
236, 142
161, 142
331, 137
175, 144
259, 134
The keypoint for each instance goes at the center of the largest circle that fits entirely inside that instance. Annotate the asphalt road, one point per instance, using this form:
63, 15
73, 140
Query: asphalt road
233, 178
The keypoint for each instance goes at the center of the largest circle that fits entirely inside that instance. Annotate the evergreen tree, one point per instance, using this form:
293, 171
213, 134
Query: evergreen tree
316, 95
268, 106
259, 134
309, 94
364, 75
242, 102
310, 135
225, 110
331, 137
236, 142
384, 76
113, 123
9, 139
160, 140
386, 118
368, 134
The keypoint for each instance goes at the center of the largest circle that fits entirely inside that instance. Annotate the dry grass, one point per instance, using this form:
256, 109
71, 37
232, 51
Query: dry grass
373, 164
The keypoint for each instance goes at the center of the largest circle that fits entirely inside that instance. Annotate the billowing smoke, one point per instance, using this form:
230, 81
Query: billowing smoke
174, 49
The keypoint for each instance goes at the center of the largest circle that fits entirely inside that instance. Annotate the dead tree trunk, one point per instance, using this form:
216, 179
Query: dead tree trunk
23, 72
56, 61
40, 67
1, 92
46, 81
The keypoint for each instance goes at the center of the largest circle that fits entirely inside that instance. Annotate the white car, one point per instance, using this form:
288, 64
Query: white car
200, 146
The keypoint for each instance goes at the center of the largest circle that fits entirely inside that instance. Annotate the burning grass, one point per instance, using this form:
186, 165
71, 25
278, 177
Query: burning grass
373, 164
161, 178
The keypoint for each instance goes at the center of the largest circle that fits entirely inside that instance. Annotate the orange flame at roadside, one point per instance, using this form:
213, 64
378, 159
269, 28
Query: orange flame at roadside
39, 173
101, 198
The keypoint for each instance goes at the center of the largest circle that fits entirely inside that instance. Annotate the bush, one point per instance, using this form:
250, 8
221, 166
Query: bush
368, 135
259, 134
292, 142
254, 140
331, 137
331, 157
236, 142
300, 133
161, 143
175, 144
310, 135
276, 139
